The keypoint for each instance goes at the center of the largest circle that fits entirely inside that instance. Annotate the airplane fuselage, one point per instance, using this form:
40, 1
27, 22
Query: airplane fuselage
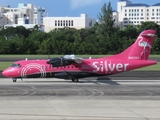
89, 67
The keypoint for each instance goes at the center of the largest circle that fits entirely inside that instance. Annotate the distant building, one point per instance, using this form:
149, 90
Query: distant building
136, 13
39, 14
83, 21
21, 22
26, 12
127, 13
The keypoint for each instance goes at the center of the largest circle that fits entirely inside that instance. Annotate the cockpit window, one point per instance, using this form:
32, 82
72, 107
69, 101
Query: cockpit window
15, 65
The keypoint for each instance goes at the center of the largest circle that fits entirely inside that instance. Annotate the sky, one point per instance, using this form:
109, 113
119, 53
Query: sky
72, 8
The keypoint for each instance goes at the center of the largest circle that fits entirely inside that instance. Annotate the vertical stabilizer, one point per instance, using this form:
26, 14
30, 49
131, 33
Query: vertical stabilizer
141, 49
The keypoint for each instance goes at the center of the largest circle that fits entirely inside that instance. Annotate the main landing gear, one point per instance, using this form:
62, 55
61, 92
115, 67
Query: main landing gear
15, 79
74, 79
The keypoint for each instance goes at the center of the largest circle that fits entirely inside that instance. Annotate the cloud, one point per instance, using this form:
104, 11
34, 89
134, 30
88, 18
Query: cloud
82, 3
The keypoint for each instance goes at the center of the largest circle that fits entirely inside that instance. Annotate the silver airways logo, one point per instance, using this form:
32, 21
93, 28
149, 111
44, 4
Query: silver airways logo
33, 68
108, 67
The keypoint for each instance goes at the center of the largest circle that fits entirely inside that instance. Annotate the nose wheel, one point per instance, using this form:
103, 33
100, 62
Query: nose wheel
14, 80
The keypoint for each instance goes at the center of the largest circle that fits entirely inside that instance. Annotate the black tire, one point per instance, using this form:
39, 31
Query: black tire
74, 79
14, 80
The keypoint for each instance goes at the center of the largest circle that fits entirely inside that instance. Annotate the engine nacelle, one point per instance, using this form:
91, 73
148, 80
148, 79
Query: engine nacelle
56, 62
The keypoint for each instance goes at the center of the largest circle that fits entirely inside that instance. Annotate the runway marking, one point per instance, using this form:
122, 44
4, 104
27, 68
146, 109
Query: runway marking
98, 117
129, 82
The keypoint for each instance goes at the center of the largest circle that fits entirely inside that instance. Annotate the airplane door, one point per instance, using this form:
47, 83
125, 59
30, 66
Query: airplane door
50, 70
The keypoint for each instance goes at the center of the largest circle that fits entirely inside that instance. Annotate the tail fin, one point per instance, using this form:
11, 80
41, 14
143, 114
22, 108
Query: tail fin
140, 50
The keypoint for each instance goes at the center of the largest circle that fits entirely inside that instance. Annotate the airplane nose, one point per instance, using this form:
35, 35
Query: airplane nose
5, 73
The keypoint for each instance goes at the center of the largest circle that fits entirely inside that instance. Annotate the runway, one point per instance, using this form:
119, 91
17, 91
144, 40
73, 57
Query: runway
107, 98
102, 89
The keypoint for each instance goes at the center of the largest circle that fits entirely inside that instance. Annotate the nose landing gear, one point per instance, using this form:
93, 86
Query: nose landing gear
14, 80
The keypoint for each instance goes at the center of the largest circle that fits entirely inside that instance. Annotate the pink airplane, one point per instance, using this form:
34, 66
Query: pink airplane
71, 67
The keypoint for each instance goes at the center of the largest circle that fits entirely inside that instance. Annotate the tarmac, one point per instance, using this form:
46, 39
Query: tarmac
125, 96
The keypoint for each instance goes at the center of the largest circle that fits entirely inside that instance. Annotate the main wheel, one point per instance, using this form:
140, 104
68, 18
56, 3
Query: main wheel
74, 79
14, 81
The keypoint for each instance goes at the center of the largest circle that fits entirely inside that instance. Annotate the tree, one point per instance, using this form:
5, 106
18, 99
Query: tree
130, 31
106, 19
148, 25
36, 28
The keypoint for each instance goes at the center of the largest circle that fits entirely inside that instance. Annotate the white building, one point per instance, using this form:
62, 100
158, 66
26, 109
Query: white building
120, 8
21, 22
83, 21
25, 11
136, 13
39, 14
28, 12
